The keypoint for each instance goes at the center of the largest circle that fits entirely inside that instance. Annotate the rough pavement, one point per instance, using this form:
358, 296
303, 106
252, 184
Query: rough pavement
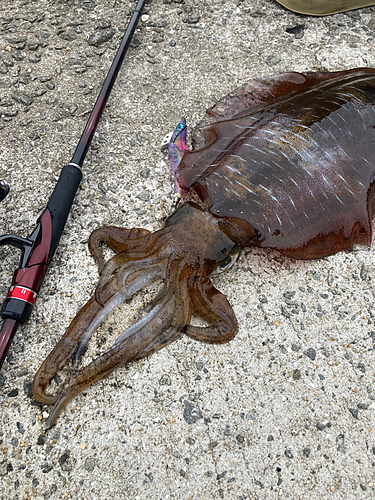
287, 409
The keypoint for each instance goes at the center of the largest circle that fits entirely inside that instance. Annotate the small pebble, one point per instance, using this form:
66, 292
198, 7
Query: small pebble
101, 36
310, 353
144, 196
362, 406
46, 468
89, 464
64, 457
158, 38
41, 439
145, 172
362, 367
193, 19
192, 412
364, 272
323, 425
165, 380
23, 99
272, 60
297, 31
354, 413
21, 428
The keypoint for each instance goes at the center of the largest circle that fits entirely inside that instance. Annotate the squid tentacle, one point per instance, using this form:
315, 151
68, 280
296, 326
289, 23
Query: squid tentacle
125, 293
89, 318
167, 337
107, 271
212, 306
140, 267
161, 324
165, 290
101, 315
73, 342
141, 323
68, 345
117, 239
120, 260
124, 271
169, 291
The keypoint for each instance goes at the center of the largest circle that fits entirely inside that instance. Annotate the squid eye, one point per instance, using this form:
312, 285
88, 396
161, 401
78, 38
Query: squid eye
227, 263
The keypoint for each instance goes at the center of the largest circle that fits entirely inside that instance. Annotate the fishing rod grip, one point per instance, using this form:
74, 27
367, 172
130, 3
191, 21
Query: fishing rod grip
61, 201
39, 248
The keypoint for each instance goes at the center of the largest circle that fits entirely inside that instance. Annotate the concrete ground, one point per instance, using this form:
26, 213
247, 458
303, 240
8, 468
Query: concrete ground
287, 409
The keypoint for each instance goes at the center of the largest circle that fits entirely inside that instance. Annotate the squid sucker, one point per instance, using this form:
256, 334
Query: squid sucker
286, 162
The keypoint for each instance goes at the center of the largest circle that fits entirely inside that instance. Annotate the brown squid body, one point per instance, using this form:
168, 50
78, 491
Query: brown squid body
287, 162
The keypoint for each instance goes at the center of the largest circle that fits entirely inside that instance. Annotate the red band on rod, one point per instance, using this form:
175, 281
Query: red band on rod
22, 293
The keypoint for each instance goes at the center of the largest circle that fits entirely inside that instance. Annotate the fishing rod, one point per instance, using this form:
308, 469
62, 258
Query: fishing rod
4, 189
38, 249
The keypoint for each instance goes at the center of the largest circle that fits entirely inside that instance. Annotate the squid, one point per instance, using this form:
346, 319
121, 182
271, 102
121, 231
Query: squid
286, 162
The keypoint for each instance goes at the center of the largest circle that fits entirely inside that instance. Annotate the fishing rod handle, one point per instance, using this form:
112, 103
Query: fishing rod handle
43, 241
61, 200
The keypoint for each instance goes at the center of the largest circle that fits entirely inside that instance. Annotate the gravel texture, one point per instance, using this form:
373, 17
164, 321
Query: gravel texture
285, 410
